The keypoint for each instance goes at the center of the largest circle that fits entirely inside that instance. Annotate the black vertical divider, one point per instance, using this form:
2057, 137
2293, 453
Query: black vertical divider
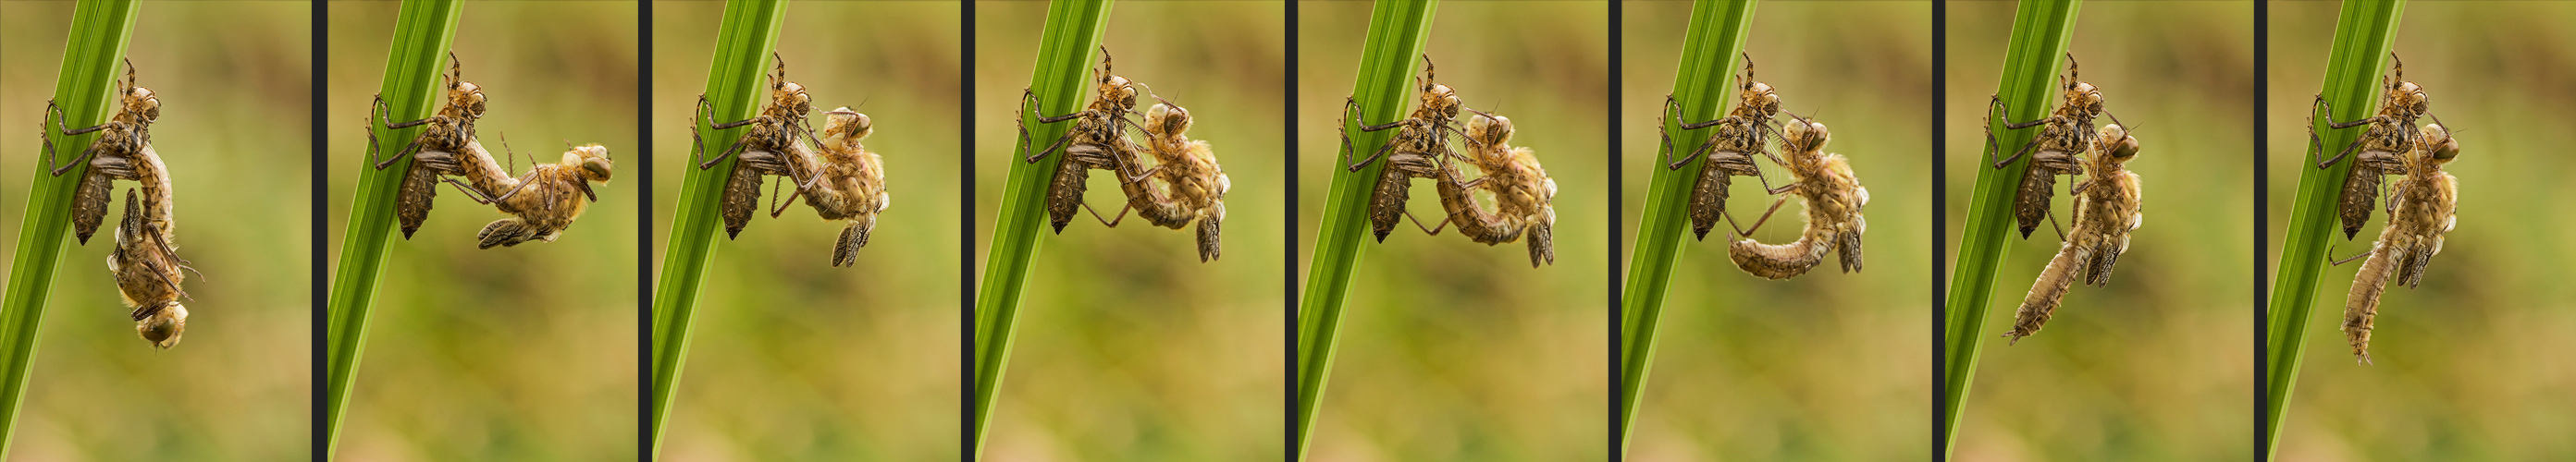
1288, 275
321, 204
966, 230
1940, 199
644, 263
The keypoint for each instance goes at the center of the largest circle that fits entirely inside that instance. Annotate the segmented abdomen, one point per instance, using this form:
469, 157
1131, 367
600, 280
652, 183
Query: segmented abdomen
2361, 305
2047, 292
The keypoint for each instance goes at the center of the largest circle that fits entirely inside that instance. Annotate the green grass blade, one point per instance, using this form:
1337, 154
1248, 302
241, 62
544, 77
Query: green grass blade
1061, 82
411, 88
91, 61
2362, 38
735, 87
1711, 51
1396, 33
2029, 83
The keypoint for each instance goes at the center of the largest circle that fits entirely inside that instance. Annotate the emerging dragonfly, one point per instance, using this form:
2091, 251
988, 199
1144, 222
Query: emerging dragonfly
1190, 174
434, 150
147, 269
848, 181
122, 151
545, 200
2390, 134
146, 263
2106, 211
1834, 198
2065, 134
1742, 133
2425, 207
1523, 194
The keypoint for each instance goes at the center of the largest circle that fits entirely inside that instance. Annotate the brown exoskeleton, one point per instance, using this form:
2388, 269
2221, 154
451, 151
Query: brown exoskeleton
122, 151
1834, 199
1101, 127
1729, 150
780, 125
2423, 208
2106, 211
2065, 134
147, 270
1419, 141
433, 152
848, 181
2389, 135
545, 200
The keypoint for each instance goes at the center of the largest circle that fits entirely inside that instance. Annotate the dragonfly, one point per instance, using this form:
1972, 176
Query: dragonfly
2425, 207
2106, 211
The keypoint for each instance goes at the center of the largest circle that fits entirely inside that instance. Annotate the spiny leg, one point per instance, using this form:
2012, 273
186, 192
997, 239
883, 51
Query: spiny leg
1757, 223
55, 113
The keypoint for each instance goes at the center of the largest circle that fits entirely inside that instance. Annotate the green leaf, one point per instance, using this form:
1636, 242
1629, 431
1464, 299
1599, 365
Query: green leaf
1060, 82
1396, 33
735, 88
2029, 83
1711, 51
2362, 38
91, 56
411, 88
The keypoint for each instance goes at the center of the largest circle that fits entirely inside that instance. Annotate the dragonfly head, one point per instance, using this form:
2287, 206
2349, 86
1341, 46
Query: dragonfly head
1167, 119
593, 160
2439, 143
847, 123
162, 328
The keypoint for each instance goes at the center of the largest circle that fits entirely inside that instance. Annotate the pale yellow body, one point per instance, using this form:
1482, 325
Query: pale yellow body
2424, 207
1833, 198
545, 200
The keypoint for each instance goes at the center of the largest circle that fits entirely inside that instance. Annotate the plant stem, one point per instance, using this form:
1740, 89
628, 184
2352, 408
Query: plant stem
1710, 52
1073, 29
421, 37
100, 29
744, 41
2362, 38
2039, 36
1397, 30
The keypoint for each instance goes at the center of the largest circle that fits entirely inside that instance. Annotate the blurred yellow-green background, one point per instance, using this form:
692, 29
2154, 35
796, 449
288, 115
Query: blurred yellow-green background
1449, 349
2472, 365
1829, 365
2159, 365
234, 82
1129, 348
511, 353
792, 359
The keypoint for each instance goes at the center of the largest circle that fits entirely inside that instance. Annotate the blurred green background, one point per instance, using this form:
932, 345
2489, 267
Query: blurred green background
233, 79
1827, 366
2160, 364
793, 359
1453, 350
512, 353
2473, 364
1128, 348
